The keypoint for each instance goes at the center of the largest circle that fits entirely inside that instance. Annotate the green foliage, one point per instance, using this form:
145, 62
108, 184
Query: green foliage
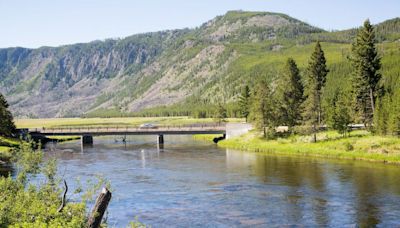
366, 64
244, 102
220, 113
7, 126
387, 118
339, 112
136, 224
24, 204
263, 109
290, 95
316, 78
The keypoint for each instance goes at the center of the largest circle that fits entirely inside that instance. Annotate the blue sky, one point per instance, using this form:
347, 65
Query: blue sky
55, 22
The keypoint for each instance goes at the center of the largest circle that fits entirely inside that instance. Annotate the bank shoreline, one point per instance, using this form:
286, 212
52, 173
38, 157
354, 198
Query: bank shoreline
359, 146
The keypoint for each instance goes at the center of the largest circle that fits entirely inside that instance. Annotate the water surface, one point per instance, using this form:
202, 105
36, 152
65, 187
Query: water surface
196, 184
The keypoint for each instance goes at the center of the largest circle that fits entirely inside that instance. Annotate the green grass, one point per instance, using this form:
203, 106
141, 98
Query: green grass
359, 146
64, 138
104, 122
208, 138
6, 144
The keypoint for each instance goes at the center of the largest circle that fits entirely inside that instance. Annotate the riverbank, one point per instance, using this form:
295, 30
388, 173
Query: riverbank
360, 145
6, 145
64, 138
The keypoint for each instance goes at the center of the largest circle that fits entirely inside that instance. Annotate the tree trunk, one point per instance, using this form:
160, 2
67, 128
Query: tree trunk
319, 110
99, 208
371, 96
315, 133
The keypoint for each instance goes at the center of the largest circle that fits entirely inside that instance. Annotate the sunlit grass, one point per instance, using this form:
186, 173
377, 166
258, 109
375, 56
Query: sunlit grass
359, 146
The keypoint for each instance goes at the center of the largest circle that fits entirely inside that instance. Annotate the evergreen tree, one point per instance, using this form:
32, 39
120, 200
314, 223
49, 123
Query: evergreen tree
290, 95
382, 109
220, 113
393, 114
7, 126
263, 109
339, 114
244, 102
316, 72
366, 78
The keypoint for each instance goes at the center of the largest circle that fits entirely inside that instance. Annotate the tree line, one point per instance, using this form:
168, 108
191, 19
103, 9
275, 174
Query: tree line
297, 101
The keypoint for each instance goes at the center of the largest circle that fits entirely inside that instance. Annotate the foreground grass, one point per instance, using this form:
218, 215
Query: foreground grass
361, 145
104, 122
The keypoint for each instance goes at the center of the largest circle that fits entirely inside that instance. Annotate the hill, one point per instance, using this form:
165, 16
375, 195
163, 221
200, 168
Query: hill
187, 68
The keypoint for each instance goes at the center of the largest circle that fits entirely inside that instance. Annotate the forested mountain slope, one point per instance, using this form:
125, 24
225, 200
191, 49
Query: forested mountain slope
187, 67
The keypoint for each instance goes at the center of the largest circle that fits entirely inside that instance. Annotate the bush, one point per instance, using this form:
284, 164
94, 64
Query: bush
348, 146
24, 204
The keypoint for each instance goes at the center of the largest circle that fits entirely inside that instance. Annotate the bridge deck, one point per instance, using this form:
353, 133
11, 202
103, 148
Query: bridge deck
165, 130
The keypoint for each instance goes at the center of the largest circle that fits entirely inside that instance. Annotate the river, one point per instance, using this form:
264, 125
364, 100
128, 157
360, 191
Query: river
196, 184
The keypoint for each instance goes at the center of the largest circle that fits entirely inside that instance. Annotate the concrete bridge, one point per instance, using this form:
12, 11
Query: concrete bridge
87, 133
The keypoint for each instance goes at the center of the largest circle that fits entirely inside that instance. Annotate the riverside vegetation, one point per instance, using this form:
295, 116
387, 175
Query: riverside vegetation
307, 106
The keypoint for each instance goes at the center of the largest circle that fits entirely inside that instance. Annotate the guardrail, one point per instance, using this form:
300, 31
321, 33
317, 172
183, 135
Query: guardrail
119, 128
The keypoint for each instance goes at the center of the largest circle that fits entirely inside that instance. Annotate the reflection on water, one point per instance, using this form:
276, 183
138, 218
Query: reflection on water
336, 192
189, 184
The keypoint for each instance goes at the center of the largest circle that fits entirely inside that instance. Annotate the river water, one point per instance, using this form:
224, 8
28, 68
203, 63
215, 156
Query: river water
196, 184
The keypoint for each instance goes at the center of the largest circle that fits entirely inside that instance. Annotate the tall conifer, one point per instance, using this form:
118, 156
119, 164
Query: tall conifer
7, 126
316, 78
244, 102
366, 77
290, 94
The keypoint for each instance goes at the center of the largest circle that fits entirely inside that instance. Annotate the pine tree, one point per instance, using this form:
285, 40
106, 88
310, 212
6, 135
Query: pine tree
244, 102
339, 114
393, 114
263, 109
366, 77
316, 72
290, 95
7, 126
382, 109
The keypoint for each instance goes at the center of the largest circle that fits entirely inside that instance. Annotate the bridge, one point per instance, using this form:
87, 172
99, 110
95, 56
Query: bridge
87, 133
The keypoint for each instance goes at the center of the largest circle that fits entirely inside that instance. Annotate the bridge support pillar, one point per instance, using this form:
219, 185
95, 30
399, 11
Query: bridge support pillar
87, 139
160, 139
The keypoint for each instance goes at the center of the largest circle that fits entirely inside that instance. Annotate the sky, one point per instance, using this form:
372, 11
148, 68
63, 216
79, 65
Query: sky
38, 23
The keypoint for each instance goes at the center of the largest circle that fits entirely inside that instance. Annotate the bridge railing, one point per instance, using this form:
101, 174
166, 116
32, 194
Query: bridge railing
127, 128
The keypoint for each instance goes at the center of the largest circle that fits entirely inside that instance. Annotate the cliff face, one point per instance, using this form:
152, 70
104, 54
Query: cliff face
144, 70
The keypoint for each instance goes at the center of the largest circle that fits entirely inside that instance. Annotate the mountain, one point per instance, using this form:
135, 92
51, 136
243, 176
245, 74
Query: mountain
185, 68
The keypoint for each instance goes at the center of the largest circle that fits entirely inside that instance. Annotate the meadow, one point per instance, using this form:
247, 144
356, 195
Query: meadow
104, 122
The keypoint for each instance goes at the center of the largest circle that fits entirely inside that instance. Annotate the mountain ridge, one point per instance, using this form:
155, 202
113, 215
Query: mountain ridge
150, 69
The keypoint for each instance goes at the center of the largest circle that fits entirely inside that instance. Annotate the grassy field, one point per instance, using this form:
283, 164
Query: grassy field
361, 145
103, 122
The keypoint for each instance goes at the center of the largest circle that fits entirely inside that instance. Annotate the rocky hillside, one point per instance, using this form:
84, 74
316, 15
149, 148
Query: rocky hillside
205, 64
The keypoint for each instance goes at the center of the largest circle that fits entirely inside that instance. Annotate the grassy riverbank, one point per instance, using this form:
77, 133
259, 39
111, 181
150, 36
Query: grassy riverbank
104, 122
6, 144
64, 138
360, 145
